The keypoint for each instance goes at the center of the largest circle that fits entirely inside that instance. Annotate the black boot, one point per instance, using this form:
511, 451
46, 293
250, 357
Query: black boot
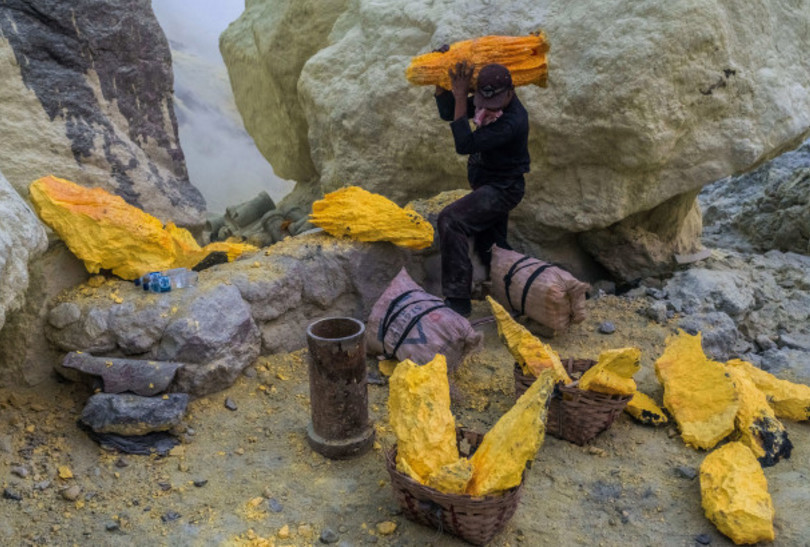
461, 306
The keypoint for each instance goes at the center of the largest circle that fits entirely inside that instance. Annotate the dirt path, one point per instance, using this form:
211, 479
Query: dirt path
248, 475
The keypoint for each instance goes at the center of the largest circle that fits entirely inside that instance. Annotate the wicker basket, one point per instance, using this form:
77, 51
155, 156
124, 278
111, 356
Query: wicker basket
574, 414
474, 519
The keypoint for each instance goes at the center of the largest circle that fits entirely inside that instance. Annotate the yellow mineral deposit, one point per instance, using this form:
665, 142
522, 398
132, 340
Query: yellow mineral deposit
735, 494
697, 391
524, 56
613, 372
756, 423
104, 231
452, 478
644, 410
419, 412
499, 461
360, 215
788, 400
533, 355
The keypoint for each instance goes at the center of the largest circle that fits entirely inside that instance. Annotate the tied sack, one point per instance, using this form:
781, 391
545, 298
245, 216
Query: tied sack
539, 290
408, 323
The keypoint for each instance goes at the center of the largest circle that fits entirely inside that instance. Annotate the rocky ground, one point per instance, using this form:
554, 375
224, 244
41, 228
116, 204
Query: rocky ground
247, 476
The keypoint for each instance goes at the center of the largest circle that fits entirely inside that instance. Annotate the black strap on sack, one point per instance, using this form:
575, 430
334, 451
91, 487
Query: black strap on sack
507, 279
535, 274
408, 328
391, 315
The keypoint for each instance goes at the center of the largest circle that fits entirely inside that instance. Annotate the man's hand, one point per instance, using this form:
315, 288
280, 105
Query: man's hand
460, 79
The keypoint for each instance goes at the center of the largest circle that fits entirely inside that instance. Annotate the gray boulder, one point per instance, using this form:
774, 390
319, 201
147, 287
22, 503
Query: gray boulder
126, 414
87, 96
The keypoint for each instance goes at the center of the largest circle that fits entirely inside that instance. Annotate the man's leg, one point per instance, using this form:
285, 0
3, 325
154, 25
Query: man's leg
476, 212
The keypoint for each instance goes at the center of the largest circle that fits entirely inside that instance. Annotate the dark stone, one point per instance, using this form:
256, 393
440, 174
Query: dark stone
159, 443
274, 505
199, 483
139, 376
132, 414
10, 494
121, 462
165, 486
112, 526
686, 472
230, 405
607, 327
57, 45
703, 539
658, 294
170, 516
329, 536
213, 258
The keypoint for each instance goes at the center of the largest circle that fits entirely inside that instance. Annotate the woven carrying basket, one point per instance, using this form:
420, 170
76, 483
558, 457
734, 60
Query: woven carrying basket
474, 519
576, 415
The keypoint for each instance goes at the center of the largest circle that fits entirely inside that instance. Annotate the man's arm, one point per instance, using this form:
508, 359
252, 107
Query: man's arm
485, 138
446, 104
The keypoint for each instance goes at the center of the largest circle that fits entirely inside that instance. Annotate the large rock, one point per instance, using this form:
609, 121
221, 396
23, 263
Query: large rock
87, 95
676, 95
22, 237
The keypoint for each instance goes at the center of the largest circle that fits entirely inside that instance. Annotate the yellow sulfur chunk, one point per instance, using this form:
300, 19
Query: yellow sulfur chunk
644, 410
358, 214
533, 355
419, 412
697, 391
735, 494
452, 478
524, 56
499, 461
613, 373
756, 423
788, 400
104, 231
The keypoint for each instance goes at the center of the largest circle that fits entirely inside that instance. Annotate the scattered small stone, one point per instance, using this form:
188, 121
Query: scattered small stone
386, 528
230, 405
250, 372
658, 294
612, 522
374, 378
42, 485
274, 505
703, 539
607, 328
112, 526
165, 486
170, 516
239, 451
595, 451
191, 431
625, 517
686, 472
182, 466
343, 528
10, 494
5, 444
20, 470
71, 493
199, 483
121, 462
329, 536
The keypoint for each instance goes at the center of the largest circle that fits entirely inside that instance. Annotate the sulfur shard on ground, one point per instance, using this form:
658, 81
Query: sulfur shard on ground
698, 392
531, 354
735, 496
788, 400
499, 461
757, 425
613, 372
360, 215
644, 410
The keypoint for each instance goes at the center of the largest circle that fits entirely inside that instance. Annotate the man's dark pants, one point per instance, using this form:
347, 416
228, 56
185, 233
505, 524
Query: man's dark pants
483, 214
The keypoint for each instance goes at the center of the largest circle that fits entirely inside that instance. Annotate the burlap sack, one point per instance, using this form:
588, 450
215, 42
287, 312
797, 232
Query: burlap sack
409, 323
542, 291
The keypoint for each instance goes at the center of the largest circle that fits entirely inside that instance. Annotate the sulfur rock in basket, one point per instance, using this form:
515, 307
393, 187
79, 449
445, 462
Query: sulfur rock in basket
644, 410
788, 400
756, 423
104, 231
360, 215
734, 493
697, 391
530, 353
499, 462
419, 412
524, 56
613, 372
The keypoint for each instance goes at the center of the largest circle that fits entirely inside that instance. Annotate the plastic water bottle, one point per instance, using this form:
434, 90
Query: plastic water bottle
165, 281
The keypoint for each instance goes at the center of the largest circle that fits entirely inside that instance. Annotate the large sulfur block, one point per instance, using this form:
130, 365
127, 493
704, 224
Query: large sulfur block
419, 412
644, 410
524, 56
735, 496
105, 232
452, 478
697, 391
499, 461
788, 400
613, 372
531, 354
757, 426
360, 215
